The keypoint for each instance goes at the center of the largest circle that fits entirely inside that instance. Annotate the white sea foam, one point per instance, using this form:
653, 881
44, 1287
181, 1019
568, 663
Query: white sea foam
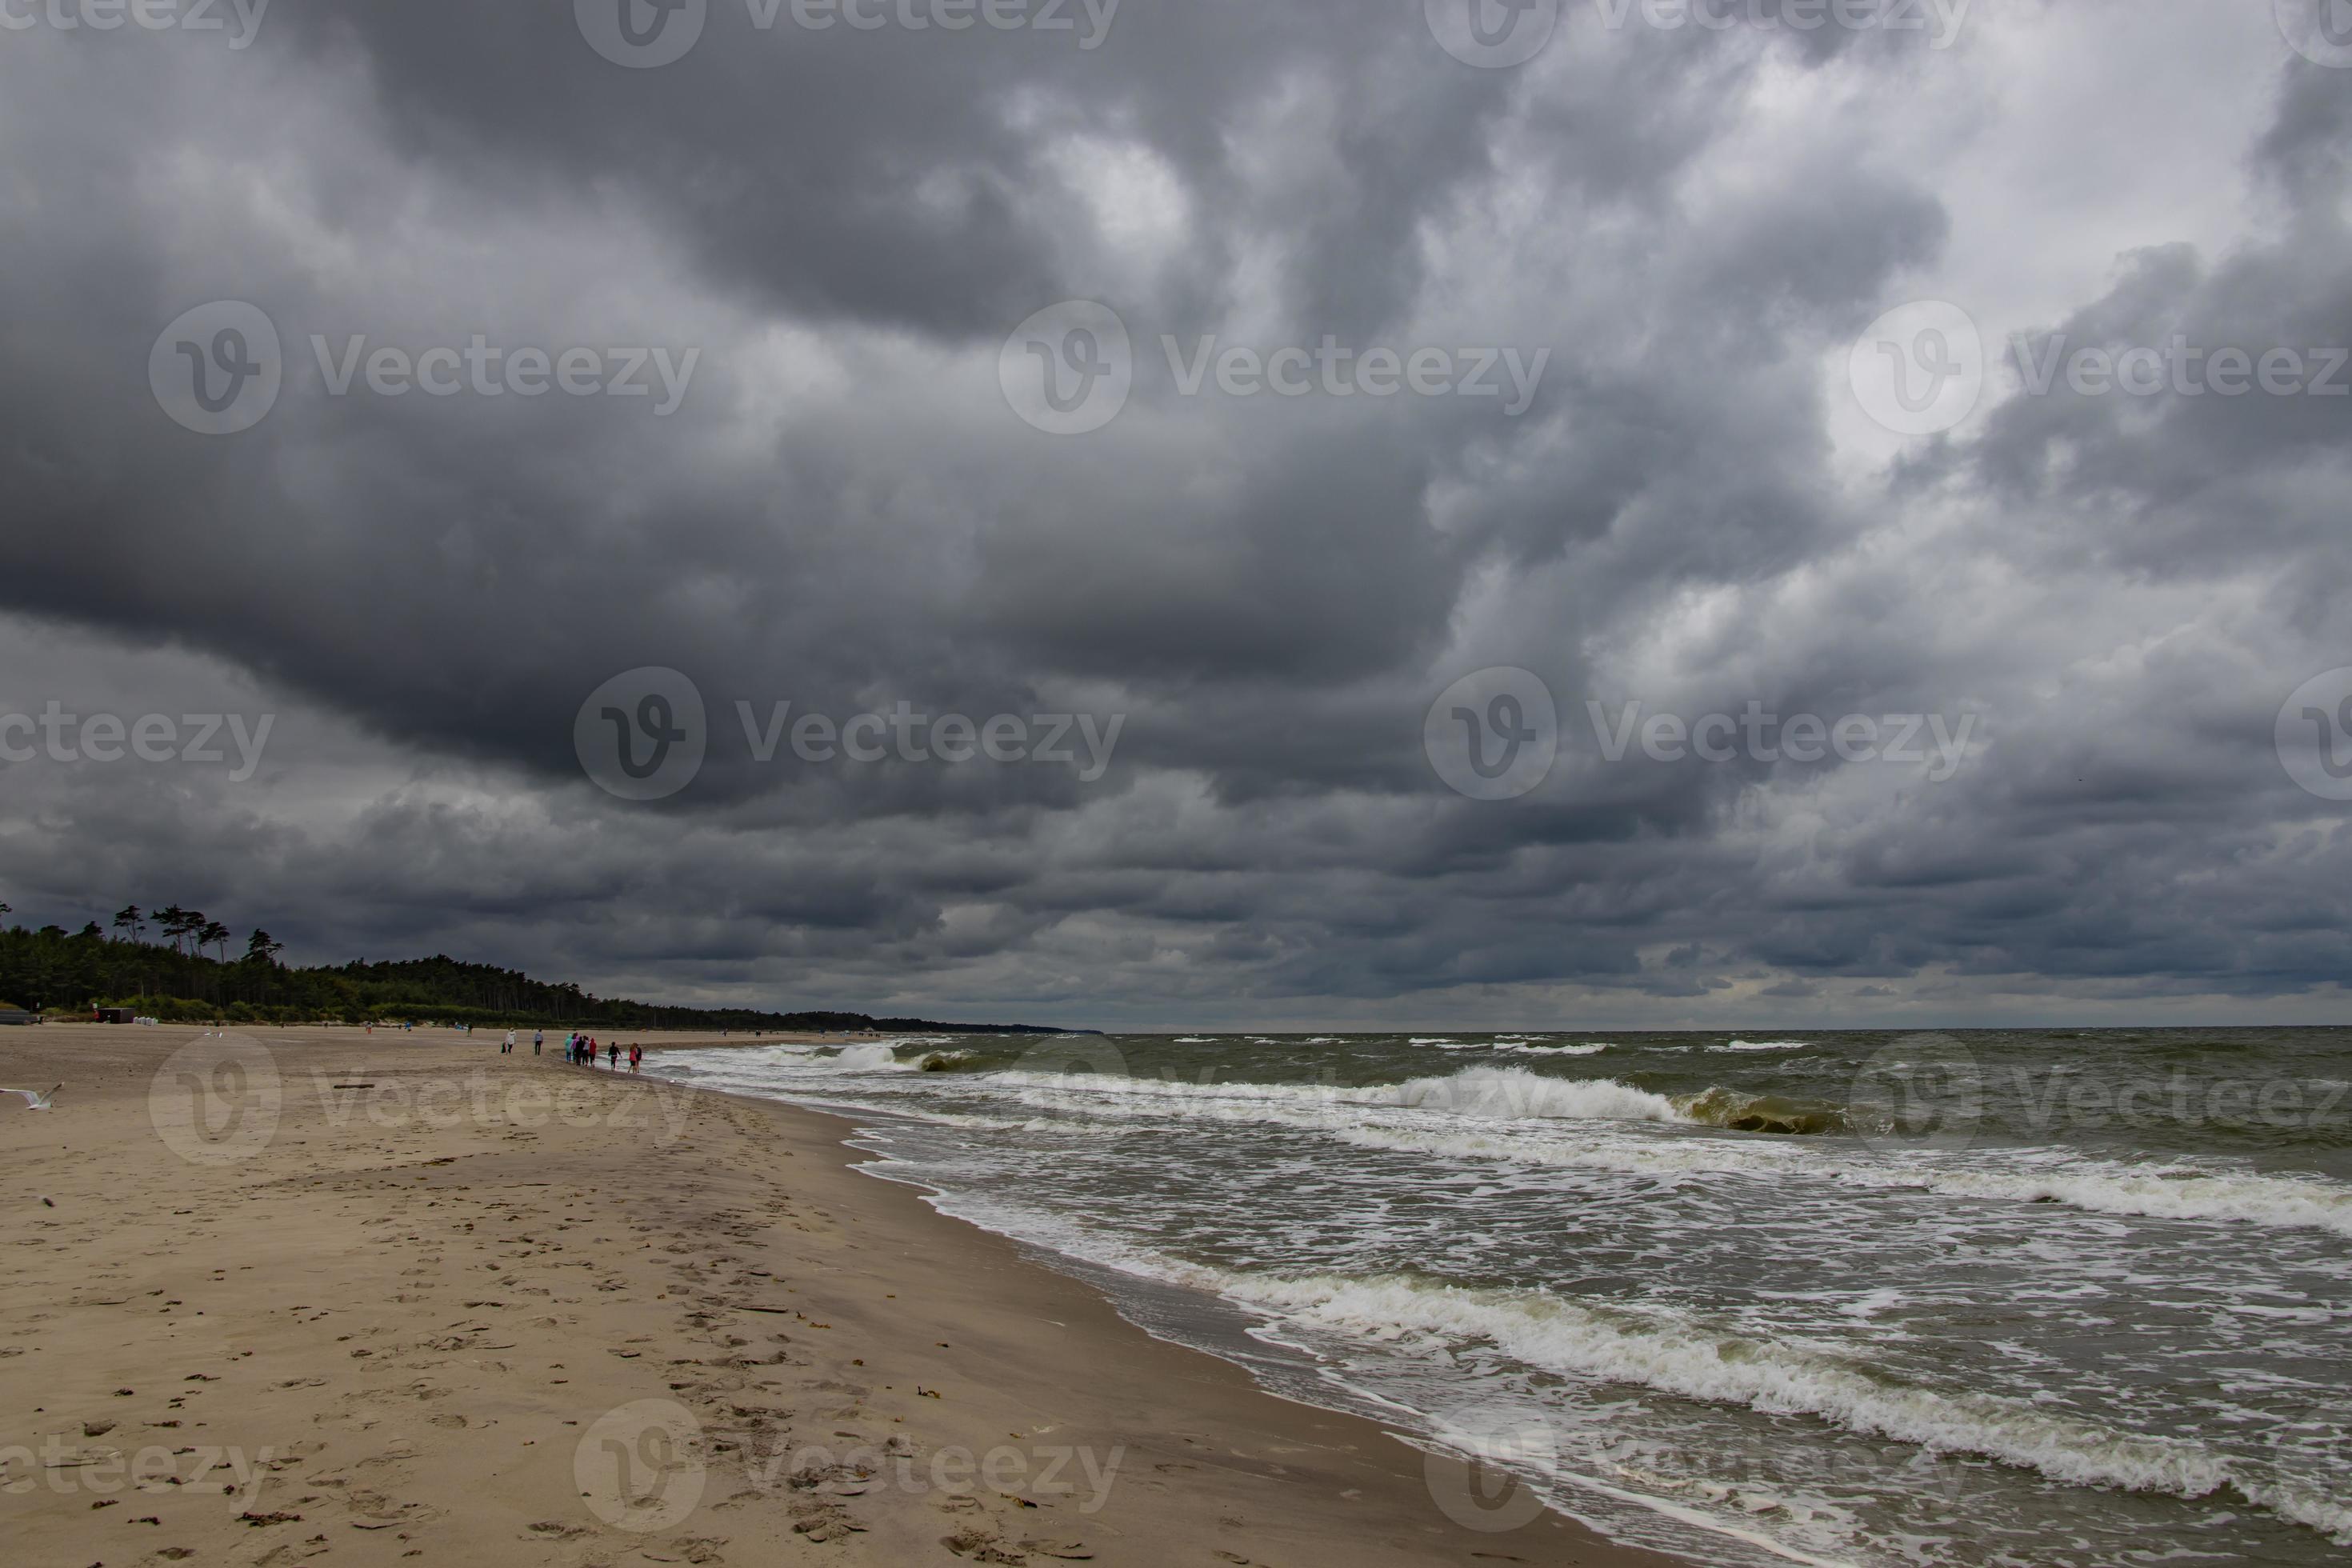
866, 1056
1516, 1094
1764, 1046
1015, 1124
1677, 1355
869, 1058
1509, 1093
1487, 1100
1521, 1045
2165, 1192
773, 1056
1824, 1370
1513, 1095
2098, 1186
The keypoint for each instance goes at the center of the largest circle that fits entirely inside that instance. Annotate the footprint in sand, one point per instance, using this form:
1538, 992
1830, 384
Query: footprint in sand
978, 1545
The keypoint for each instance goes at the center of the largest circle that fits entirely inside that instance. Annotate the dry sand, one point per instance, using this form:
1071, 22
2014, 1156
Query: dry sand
492, 1310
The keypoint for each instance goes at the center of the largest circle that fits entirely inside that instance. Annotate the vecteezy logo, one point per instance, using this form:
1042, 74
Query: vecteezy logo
640, 1468
2320, 30
1068, 369
2315, 735
641, 34
1493, 735
1921, 1093
1920, 369
1492, 33
215, 1100
642, 734
1074, 1057
218, 368
1475, 1480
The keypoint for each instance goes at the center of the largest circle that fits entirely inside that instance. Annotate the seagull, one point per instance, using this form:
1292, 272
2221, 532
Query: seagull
38, 1101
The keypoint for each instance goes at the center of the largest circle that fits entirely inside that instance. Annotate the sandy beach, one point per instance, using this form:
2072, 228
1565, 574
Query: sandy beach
380, 1298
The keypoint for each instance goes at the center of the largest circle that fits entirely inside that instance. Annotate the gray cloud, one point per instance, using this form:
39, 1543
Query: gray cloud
844, 512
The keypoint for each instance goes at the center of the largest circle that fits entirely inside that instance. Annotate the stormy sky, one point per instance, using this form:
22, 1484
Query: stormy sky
1648, 358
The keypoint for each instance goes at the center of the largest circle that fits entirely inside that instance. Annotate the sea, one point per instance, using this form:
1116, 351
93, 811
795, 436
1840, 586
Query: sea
2034, 1297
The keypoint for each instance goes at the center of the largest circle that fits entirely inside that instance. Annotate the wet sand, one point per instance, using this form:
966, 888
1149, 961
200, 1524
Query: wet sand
310, 1294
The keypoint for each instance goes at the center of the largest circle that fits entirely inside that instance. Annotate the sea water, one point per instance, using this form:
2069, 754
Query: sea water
1986, 1296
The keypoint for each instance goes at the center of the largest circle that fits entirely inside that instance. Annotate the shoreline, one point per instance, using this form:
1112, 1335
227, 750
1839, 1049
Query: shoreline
492, 1310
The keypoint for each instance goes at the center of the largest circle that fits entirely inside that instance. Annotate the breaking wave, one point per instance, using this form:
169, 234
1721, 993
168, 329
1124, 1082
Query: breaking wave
1502, 1109
1676, 1354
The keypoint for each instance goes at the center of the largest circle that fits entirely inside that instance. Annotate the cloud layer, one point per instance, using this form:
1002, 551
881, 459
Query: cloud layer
1696, 513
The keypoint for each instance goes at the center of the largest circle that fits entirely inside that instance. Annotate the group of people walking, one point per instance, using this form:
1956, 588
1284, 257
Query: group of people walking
580, 1050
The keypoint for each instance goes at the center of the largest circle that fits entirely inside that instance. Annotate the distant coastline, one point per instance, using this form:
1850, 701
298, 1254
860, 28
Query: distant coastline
65, 975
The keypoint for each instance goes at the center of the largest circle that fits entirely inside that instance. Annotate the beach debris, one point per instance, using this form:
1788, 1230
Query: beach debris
96, 1429
1068, 1551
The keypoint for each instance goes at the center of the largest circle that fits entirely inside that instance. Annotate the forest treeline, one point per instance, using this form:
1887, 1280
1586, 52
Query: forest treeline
63, 974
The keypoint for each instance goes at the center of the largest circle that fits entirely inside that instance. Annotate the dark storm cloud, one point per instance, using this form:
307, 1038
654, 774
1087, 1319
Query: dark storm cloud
842, 512
2159, 469
892, 175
